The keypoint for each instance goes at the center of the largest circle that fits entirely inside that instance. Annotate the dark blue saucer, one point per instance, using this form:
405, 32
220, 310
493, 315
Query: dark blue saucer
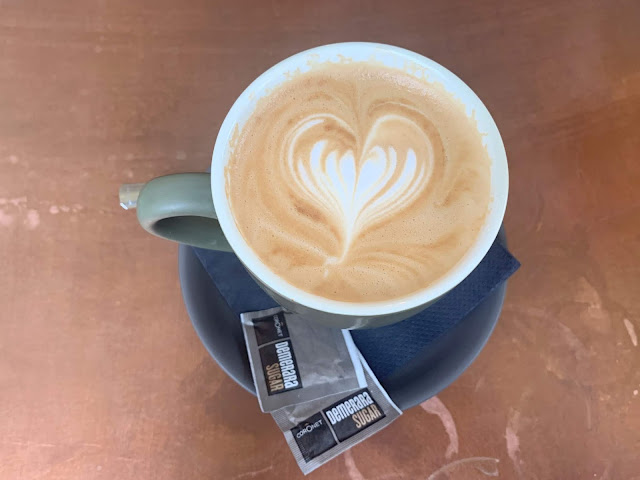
433, 369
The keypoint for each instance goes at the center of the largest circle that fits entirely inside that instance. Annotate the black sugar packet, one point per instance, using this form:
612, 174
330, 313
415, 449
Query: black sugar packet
315, 383
294, 360
320, 430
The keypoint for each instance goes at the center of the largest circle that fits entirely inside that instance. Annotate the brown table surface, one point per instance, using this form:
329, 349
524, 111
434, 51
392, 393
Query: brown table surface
101, 373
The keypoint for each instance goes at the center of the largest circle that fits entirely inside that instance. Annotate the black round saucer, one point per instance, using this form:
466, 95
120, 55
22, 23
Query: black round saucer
423, 377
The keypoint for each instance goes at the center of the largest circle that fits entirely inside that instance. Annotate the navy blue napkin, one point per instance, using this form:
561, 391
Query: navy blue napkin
386, 349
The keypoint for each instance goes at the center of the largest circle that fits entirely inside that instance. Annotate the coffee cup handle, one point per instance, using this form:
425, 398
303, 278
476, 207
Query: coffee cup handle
178, 207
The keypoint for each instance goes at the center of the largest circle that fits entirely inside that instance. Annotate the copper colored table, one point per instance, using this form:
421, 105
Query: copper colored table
101, 373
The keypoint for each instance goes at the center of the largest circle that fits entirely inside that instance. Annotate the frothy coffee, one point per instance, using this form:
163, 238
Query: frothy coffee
359, 183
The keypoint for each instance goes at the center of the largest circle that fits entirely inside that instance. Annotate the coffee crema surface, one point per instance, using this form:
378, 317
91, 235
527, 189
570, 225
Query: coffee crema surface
359, 183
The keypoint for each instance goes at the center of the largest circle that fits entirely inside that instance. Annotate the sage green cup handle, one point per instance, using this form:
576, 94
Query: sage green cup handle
180, 208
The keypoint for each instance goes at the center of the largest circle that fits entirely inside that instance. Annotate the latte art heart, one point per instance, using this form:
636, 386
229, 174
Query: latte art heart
358, 183
357, 190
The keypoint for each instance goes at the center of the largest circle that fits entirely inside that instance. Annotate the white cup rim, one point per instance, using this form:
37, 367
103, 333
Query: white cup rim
371, 51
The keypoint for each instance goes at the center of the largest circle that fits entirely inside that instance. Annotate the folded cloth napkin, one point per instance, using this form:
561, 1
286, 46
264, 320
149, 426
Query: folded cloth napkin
389, 348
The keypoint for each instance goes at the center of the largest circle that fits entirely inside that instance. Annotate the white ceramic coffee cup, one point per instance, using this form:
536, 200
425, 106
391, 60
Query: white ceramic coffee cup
331, 312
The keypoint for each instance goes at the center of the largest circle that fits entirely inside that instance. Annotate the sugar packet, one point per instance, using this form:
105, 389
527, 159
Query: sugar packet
320, 430
294, 360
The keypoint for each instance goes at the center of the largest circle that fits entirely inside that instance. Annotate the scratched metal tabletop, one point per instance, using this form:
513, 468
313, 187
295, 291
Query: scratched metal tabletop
101, 373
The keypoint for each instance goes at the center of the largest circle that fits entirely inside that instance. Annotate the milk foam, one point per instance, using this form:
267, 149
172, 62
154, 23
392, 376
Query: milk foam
359, 183
357, 192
